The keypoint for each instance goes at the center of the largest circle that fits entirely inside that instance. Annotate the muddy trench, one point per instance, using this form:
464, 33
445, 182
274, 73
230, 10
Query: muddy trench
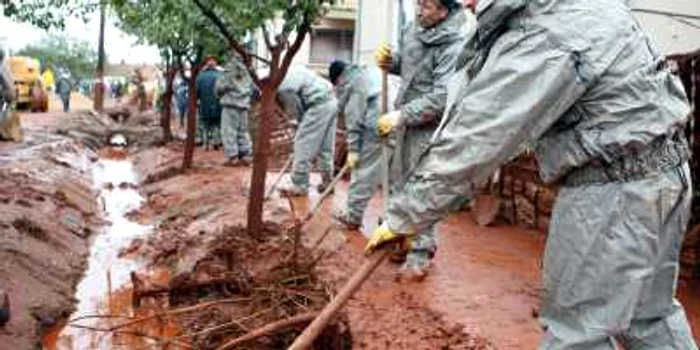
113, 248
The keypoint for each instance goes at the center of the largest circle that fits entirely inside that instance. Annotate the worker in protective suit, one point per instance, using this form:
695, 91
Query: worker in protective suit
9, 118
426, 63
359, 103
235, 89
315, 135
607, 116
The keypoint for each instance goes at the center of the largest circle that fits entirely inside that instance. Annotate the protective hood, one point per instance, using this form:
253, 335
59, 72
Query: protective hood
492, 17
453, 28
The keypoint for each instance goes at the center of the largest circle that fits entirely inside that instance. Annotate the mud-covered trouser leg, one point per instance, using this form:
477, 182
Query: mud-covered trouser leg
422, 248
235, 138
365, 179
66, 103
611, 265
314, 138
245, 145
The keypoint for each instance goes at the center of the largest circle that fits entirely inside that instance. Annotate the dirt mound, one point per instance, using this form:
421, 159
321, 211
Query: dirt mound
258, 282
47, 212
405, 324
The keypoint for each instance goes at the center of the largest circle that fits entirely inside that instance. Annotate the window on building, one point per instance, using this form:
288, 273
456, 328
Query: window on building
330, 44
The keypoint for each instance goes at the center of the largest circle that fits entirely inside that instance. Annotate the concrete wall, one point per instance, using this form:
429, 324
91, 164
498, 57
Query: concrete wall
373, 28
672, 35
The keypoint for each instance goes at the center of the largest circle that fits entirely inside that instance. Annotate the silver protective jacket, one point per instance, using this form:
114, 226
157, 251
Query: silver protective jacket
425, 63
235, 88
532, 74
358, 102
7, 84
309, 87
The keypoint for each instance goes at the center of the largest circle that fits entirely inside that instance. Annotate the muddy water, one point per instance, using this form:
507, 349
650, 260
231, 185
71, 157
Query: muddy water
104, 288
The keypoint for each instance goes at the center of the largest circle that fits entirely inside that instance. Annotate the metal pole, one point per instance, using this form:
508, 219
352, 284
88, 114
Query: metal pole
98, 103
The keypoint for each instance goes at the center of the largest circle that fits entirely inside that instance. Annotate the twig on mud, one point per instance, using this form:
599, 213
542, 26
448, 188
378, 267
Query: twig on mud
316, 261
287, 291
270, 328
322, 238
165, 340
87, 317
172, 313
291, 207
237, 322
295, 278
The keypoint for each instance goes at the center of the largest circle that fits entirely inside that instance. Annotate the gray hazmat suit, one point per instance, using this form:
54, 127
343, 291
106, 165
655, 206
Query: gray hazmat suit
425, 63
7, 90
234, 90
359, 103
582, 80
315, 135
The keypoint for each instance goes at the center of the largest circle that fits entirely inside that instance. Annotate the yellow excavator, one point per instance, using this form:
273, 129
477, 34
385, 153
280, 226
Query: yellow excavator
27, 76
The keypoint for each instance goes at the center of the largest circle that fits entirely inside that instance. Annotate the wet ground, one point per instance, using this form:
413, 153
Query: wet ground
485, 282
107, 274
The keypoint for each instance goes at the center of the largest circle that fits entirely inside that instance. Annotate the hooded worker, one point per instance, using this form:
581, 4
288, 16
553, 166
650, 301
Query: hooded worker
7, 84
235, 90
9, 119
317, 110
425, 63
359, 103
607, 115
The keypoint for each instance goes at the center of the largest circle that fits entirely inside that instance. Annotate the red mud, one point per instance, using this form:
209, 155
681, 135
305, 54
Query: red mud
188, 208
47, 212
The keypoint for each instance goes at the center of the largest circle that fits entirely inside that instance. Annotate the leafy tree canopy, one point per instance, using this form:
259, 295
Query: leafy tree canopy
46, 14
62, 52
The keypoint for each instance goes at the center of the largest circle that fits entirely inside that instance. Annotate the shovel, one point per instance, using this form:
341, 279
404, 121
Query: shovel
306, 339
279, 177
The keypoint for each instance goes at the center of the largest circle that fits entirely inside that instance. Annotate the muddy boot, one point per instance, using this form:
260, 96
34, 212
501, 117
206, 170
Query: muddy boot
4, 308
299, 186
246, 160
326, 179
344, 219
232, 162
416, 267
293, 190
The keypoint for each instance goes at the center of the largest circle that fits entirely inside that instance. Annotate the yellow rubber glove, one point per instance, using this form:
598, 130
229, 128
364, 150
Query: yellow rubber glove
383, 56
353, 160
382, 235
388, 122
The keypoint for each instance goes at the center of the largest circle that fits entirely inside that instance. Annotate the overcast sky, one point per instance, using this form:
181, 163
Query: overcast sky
118, 45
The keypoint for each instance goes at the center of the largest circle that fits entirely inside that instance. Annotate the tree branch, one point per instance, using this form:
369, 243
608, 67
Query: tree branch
293, 49
231, 40
266, 36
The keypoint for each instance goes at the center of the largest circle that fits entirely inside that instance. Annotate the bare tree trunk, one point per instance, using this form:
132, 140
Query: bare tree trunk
261, 151
166, 113
191, 119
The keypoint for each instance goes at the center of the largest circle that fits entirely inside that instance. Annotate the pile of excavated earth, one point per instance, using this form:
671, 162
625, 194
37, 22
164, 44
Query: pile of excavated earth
203, 281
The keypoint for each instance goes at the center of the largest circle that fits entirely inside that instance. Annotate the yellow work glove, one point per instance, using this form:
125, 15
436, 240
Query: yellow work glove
352, 160
383, 56
388, 122
382, 235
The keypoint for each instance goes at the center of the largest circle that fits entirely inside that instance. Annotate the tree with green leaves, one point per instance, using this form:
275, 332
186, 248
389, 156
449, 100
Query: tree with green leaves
284, 25
61, 51
46, 14
183, 36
